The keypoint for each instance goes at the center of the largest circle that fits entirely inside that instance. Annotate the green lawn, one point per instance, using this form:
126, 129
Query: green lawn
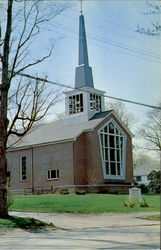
25, 223
89, 203
155, 217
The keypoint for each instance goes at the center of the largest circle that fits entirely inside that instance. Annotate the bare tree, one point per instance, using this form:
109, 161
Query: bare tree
122, 112
22, 25
27, 105
152, 129
153, 9
143, 159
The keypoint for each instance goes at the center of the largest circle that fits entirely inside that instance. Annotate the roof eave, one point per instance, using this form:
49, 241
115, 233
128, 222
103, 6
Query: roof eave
40, 144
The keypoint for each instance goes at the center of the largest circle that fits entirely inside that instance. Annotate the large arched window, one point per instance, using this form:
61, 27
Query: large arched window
113, 150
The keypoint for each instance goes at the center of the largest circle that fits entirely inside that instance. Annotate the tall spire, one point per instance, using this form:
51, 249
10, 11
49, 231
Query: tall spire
81, 5
83, 76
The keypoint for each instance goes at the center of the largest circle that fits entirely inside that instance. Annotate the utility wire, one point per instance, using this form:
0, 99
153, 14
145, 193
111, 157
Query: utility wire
111, 42
104, 27
150, 149
68, 28
105, 47
70, 87
118, 25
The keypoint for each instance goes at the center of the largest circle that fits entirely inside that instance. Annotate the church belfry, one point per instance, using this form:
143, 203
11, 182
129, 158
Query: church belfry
83, 102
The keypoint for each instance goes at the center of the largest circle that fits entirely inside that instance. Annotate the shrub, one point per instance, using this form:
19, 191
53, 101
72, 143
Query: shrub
64, 191
144, 188
113, 192
143, 203
155, 177
80, 191
129, 203
102, 191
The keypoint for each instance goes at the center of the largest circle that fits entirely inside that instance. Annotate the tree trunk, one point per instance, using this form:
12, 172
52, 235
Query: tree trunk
3, 170
4, 87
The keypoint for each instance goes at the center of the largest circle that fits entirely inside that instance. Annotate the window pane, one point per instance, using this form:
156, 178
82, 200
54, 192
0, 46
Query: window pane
58, 173
101, 139
111, 140
23, 159
117, 142
121, 142
105, 129
121, 155
107, 167
48, 174
53, 173
76, 104
111, 128
100, 104
148, 177
81, 102
117, 131
138, 178
77, 98
113, 169
112, 155
118, 155
106, 140
106, 154
23, 168
118, 168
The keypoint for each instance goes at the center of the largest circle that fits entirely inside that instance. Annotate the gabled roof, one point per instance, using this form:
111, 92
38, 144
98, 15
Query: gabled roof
60, 131
143, 170
56, 132
101, 115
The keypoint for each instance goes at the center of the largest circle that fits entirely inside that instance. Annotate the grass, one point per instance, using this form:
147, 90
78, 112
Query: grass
89, 203
29, 224
155, 217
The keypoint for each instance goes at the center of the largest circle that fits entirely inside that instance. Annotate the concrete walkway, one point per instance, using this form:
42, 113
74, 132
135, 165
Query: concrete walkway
83, 221
86, 232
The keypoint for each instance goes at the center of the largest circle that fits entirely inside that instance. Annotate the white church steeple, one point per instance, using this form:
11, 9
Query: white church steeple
83, 102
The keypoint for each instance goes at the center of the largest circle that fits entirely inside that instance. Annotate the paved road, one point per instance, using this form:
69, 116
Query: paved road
83, 232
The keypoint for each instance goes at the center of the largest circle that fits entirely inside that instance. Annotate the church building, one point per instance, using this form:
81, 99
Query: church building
90, 148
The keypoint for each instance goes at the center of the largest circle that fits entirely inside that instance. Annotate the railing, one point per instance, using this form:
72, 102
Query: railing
55, 189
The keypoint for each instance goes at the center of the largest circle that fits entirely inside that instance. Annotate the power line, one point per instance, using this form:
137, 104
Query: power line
133, 102
70, 87
111, 30
111, 42
150, 149
105, 47
118, 25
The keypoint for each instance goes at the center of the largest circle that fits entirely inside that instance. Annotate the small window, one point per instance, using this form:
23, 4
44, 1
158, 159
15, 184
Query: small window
95, 102
23, 168
53, 174
75, 104
138, 178
148, 177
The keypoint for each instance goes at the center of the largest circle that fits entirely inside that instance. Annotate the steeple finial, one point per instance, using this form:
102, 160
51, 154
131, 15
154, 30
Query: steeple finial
81, 6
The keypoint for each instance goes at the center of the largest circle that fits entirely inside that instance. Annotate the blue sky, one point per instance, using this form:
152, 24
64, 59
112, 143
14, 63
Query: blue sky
125, 64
